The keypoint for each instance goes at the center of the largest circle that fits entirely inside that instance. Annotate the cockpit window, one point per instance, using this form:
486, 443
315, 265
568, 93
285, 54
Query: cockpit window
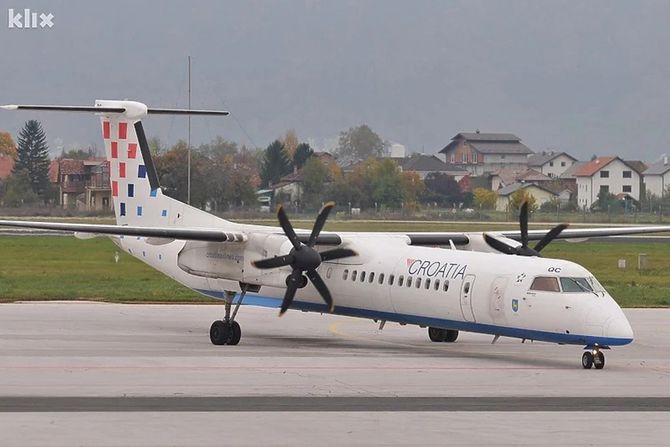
595, 285
578, 285
545, 283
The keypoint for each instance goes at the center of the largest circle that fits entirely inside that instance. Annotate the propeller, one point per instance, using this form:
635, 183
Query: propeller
304, 259
524, 249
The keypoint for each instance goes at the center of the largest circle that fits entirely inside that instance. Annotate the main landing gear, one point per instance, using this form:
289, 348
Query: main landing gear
228, 331
439, 335
593, 357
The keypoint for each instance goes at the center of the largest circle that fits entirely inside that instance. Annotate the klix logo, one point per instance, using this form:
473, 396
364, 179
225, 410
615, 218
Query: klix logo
27, 19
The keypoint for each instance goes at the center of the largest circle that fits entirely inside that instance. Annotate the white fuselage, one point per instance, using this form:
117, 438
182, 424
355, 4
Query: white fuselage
390, 280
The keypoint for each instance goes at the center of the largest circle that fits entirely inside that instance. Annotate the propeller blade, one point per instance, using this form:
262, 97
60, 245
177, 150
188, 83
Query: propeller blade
523, 223
550, 236
293, 282
499, 245
336, 253
287, 227
270, 263
320, 222
314, 276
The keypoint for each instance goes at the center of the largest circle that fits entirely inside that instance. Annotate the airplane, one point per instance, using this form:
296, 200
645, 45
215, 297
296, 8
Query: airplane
484, 282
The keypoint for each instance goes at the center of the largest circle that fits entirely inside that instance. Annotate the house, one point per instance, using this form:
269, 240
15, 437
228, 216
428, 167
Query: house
6, 166
426, 164
82, 184
290, 186
552, 164
657, 177
540, 193
507, 176
485, 153
609, 174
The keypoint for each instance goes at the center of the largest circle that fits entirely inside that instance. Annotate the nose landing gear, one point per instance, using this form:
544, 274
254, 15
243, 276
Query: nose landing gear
593, 357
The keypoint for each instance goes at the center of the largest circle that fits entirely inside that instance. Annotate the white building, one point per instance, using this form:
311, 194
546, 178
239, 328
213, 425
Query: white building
610, 174
551, 164
657, 177
541, 194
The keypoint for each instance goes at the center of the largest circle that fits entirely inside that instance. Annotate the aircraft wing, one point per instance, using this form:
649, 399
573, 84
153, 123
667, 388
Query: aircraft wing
189, 234
463, 238
585, 233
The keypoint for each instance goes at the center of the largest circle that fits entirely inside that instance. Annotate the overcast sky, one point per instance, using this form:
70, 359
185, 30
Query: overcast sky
582, 77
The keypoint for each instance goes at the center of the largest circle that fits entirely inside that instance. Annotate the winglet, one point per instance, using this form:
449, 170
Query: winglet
10, 107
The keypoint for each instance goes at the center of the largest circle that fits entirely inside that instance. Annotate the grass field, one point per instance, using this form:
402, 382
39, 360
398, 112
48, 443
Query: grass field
65, 268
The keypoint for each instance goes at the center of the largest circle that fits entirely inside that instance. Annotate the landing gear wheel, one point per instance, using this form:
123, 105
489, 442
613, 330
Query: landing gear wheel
440, 335
599, 360
220, 332
235, 333
436, 334
451, 336
587, 360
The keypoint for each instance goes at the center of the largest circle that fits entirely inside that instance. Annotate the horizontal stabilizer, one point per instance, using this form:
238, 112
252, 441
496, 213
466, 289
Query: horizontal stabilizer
133, 108
188, 234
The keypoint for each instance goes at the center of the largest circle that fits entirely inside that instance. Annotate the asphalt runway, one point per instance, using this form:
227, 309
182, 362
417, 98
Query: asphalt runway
108, 374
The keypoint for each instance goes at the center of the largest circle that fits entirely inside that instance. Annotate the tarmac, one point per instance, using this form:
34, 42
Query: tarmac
102, 374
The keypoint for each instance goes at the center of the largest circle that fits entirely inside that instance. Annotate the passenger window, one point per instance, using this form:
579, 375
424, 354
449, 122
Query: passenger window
427, 283
345, 274
409, 281
362, 276
545, 284
381, 278
391, 278
445, 287
418, 283
466, 287
400, 280
329, 272
372, 277
353, 275
437, 284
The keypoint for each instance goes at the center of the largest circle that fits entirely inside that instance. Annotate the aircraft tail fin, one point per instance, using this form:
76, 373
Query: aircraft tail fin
135, 189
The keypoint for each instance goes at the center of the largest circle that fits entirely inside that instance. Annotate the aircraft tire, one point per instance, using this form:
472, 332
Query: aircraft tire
599, 360
450, 336
437, 334
587, 360
235, 333
219, 332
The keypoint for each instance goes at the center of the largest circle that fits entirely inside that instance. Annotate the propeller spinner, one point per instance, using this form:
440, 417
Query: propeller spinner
524, 249
304, 259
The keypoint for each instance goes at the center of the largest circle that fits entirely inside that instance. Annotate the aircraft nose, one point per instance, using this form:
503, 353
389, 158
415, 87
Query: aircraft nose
619, 327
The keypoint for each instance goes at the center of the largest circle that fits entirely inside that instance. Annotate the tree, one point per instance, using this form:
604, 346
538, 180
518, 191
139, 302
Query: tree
412, 188
484, 198
275, 164
218, 147
173, 174
7, 145
443, 189
18, 190
315, 175
386, 188
32, 156
155, 146
291, 143
519, 197
78, 154
359, 143
301, 154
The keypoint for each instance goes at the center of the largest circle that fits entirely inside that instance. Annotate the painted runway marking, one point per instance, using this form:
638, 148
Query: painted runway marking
335, 404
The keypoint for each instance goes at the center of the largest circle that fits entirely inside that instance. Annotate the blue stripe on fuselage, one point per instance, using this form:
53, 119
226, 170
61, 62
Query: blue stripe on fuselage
528, 334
